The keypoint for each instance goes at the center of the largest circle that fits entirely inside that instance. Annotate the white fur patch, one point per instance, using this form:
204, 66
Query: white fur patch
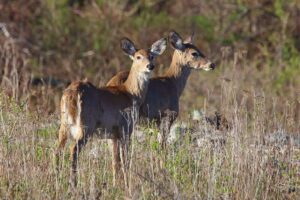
207, 67
74, 129
144, 77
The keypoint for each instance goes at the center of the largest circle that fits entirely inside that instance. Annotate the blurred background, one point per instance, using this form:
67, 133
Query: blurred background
45, 44
255, 89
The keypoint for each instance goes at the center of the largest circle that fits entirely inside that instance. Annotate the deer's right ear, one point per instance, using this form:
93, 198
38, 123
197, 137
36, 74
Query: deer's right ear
159, 46
176, 41
190, 39
128, 47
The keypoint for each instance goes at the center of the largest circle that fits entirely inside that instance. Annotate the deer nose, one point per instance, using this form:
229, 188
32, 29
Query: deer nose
212, 66
150, 66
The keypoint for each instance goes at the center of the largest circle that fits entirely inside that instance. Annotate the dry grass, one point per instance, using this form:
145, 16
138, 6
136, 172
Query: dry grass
14, 67
258, 158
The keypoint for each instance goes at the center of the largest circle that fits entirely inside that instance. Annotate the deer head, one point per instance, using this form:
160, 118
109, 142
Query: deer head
188, 54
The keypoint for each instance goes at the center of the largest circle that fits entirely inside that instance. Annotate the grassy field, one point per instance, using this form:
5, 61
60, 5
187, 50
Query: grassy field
256, 87
249, 161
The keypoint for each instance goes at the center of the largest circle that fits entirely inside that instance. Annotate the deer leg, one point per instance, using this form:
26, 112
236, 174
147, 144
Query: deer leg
165, 126
75, 149
125, 158
116, 161
74, 153
120, 158
164, 131
62, 138
125, 151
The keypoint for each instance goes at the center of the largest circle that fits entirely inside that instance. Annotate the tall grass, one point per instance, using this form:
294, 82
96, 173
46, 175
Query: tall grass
257, 158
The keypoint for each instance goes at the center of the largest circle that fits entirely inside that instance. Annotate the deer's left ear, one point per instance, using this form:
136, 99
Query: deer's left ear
159, 47
128, 47
176, 41
190, 39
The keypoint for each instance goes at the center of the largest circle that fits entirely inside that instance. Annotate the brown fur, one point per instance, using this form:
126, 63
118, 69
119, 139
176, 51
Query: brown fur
118, 79
85, 108
162, 100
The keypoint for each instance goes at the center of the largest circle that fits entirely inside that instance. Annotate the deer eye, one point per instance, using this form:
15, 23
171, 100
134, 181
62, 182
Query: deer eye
138, 57
151, 57
195, 54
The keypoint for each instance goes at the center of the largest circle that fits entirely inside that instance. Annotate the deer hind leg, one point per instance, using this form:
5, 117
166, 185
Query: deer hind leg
62, 139
74, 153
75, 148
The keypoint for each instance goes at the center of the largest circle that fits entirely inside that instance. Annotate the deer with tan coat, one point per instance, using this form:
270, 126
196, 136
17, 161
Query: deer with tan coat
110, 109
162, 100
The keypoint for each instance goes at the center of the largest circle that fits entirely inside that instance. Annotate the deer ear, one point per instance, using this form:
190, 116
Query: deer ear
176, 41
128, 47
159, 47
190, 39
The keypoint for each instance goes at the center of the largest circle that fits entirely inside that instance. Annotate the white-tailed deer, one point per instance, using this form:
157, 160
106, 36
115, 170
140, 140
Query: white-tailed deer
162, 100
85, 108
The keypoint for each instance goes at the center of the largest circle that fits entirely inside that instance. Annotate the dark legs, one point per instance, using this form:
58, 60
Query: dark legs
75, 149
120, 158
62, 139
121, 145
116, 161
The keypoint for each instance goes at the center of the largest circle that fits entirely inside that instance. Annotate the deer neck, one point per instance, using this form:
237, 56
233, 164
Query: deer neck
179, 72
137, 85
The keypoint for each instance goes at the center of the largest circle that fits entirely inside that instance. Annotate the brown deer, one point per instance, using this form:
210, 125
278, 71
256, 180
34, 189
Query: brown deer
162, 100
85, 108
